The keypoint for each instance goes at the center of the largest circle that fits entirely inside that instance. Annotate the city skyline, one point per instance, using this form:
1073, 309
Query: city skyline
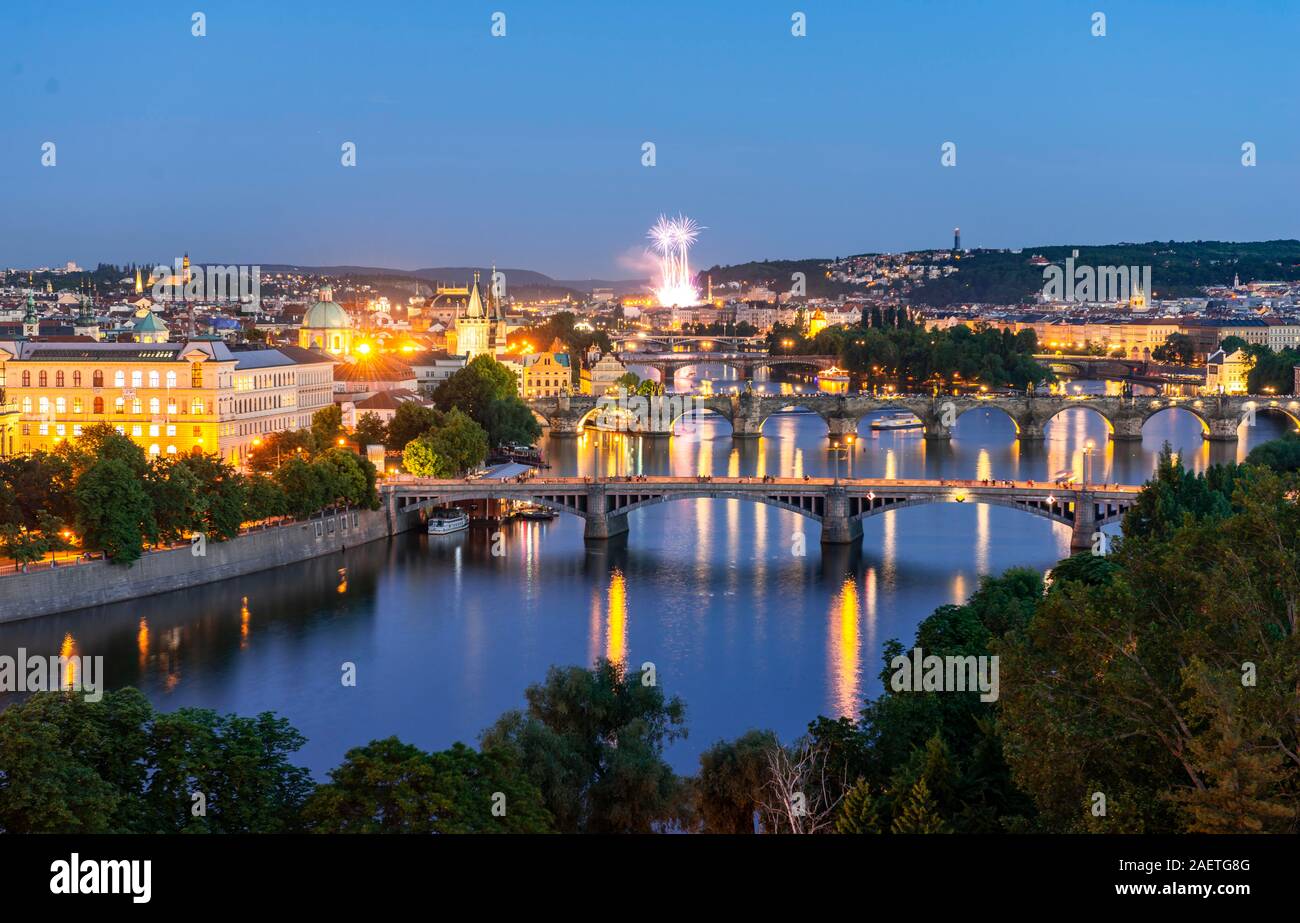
508, 174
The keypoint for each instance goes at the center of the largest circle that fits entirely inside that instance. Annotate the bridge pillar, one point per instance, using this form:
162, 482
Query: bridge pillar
603, 526
839, 428
837, 527
746, 416
1085, 521
936, 429
1223, 429
1127, 429
1030, 431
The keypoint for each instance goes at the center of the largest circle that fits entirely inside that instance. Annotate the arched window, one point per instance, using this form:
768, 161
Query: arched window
137, 407
154, 379
76, 379
60, 405
76, 405
171, 405
44, 405
43, 379
97, 379
99, 405
119, 405
119, 379
154, 450
155, 406
171, 450
27, 378
27, 405
171, 379
58, 378
137, 378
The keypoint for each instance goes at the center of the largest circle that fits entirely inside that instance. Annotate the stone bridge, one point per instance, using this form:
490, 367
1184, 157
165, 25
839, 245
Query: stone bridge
746, 363
838, 505
1219, 416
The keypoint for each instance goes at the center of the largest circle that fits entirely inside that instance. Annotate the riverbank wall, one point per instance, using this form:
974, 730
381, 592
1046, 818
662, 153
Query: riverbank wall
96, 583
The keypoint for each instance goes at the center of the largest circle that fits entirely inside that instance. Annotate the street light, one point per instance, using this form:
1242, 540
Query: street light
1087, 467
835, 447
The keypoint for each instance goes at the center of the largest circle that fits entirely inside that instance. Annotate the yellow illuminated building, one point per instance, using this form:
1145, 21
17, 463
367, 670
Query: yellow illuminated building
546, 374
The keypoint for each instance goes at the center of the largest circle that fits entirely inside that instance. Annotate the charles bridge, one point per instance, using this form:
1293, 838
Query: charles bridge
1219, 416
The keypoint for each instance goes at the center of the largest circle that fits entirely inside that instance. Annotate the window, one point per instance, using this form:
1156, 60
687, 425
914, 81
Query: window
119, 405
121, 430
154, 450
171, 405
76, 430
155, 406
154, 379
171, 379
137, 378
27, 379
58, 378
43, 379
137, 406
43, 429
44, 404
196, 375
196, 407
27, 405
171, 429
97, 379
60, 405
119, 379
76, 405
137, 430
153, 430
98, 405
76, 379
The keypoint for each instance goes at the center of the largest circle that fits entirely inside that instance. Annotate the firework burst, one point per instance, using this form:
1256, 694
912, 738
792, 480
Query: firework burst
671, 239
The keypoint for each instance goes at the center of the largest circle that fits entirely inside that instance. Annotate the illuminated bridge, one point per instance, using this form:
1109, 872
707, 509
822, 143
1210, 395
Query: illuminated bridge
838, 505
745, 363
1219, 416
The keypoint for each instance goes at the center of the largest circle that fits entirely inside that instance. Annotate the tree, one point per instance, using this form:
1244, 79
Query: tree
802, 792
1281, 455
26, 545
458, 442
592, 741
858, 811
411, 421
114, 513
304, 486
729, 788
342, 478
473, 388
508, 420
392, 787
1177, 347
919, 813
371, 430
420, 459
327, 425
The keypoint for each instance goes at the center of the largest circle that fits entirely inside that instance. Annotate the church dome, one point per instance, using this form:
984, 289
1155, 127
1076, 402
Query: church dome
326, 314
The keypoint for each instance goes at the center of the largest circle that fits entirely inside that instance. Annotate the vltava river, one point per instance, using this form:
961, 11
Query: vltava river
446, 636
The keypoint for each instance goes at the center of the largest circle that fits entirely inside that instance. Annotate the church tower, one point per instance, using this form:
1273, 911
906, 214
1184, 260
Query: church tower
139, 283
473, 327
86, 324
31, 320
500, 335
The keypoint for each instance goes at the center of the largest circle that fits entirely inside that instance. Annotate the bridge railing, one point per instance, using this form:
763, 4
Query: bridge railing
538, 483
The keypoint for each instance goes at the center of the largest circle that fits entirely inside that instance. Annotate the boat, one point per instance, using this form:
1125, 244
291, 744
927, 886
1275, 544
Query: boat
833, 376
445, 520
537, 514
519, 454
898, 419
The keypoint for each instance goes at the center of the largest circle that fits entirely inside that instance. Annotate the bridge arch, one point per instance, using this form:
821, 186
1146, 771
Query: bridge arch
1289, 410
1191, 407
1082, 405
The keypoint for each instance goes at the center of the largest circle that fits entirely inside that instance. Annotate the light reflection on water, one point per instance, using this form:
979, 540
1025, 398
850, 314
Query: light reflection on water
446, 636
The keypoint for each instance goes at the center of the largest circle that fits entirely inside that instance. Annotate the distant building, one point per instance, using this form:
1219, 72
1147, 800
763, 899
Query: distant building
433, 367
547, 374
1227, 374
606, 373
326, 326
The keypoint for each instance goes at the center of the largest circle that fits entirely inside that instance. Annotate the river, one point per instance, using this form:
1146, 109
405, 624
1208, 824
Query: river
445, 635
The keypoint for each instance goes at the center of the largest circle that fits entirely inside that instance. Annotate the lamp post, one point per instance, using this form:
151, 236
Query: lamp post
1087, 462
852, 439
835, 447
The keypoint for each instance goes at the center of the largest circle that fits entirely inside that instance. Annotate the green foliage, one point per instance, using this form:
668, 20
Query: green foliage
1177, 347
411, 421
858, 812
459, 442
1281, 455
592, 741
919, 813
391, 787
420, 459
114, 513
1175, 494
729, 787
371, 430
327, 425
116, 766
508, 420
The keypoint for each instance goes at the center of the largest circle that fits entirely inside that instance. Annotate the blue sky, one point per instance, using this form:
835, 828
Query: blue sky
526, 150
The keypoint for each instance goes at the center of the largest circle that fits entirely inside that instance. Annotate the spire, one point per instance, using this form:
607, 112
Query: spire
475, 308
139, 284
31, 307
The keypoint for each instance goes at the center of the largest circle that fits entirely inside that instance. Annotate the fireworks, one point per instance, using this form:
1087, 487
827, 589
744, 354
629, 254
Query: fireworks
672, 239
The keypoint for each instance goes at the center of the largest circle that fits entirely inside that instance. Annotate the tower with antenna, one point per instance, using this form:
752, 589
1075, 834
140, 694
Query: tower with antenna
956, 239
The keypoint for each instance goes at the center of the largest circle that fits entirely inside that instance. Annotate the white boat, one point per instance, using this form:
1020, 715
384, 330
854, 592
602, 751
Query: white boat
833, 376
446, 520
899, 419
